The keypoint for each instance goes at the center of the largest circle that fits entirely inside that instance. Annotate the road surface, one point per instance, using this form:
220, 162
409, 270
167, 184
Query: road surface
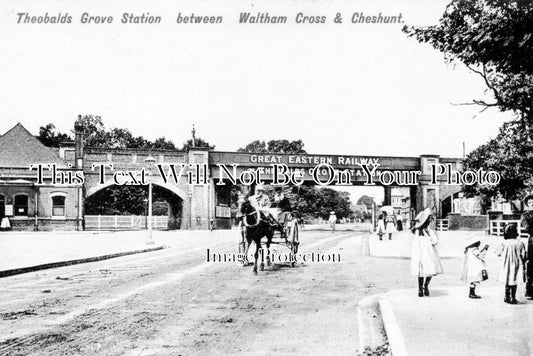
173, 302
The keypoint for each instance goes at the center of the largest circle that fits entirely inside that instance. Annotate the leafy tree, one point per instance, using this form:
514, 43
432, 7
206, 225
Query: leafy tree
285, 146
366, 201
96, 135
124, 200
255, 147
274, 146
318, 202
511, 155
163, 144
49, 136
199, 142
494, 39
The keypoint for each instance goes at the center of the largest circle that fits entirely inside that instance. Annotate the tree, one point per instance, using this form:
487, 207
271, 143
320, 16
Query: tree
255, 147
163, 144
95, 134
318, 202
275, 146
366, 201
494, 39
511, 155
50, 137
198, 142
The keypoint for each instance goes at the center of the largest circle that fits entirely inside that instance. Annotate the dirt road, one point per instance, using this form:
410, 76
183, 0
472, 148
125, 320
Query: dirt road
173, 302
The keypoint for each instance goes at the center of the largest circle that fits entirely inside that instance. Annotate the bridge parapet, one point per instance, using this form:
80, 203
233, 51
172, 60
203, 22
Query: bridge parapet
131, 159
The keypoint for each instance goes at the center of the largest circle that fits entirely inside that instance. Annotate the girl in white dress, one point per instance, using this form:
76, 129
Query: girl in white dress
425, 261
475, 270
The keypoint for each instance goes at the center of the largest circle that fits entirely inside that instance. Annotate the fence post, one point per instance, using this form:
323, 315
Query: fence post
99, 222
116, 222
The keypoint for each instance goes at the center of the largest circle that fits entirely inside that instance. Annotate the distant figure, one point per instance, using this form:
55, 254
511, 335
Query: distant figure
399, 223
512, 270
390, 224
425, 261
527, 224
332, 221
381, 227
474, 270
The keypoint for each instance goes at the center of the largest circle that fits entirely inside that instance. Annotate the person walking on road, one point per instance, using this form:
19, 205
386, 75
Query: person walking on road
475, 270
513, 254
390, 224
399, 223
332, 221
381, 226
527, 224
425, 261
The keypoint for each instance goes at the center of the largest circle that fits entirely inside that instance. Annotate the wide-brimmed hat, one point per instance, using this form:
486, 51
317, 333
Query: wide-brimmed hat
422, 217
259, 187
472, 241
528, 197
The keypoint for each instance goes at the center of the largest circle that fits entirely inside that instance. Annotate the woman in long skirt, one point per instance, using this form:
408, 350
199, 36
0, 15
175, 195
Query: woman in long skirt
425, 261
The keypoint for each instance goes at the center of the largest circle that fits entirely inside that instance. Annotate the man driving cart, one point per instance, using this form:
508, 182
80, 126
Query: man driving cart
278, 212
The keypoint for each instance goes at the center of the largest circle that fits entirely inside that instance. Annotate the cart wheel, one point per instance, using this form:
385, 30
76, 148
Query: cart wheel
295, 241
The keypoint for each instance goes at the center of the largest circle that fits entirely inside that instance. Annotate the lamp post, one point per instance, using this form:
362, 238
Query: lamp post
190, 210
145, 200
150, 161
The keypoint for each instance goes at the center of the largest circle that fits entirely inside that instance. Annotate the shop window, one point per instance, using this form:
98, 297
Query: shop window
21, 205
58, 205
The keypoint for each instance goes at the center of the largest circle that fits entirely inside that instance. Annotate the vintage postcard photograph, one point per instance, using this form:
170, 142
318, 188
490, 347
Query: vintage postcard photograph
282, 177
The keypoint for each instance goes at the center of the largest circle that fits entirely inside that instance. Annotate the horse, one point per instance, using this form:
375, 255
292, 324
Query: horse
256, 226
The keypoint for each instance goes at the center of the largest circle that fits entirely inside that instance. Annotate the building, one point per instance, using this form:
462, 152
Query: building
27, 203
54, 198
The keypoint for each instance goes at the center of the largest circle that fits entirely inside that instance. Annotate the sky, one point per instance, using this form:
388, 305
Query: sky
350, 89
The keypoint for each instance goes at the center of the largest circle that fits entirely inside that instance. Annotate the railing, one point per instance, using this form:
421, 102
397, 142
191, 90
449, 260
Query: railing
497, 226
442, 224
124, 222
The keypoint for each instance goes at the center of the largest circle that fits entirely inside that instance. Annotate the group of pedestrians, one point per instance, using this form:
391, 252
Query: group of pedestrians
515, 264
388, 224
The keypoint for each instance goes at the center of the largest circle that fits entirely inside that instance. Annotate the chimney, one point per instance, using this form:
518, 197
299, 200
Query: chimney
78, 142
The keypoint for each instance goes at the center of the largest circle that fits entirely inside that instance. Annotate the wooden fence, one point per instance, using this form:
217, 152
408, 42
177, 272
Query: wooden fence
124, 222
497, 226
442, 224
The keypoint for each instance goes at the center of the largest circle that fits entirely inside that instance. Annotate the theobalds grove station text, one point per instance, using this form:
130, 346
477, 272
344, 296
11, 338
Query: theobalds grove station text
248, 18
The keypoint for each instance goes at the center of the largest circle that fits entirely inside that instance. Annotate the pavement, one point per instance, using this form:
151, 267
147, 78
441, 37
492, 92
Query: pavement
448, 322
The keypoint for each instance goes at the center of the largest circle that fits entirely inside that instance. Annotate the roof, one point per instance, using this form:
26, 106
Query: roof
19, 148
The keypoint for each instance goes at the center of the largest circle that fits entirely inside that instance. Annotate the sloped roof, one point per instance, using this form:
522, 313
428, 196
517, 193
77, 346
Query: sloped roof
19, 148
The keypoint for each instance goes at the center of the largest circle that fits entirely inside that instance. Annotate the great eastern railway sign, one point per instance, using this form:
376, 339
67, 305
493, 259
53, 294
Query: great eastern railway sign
332, 169
310, 160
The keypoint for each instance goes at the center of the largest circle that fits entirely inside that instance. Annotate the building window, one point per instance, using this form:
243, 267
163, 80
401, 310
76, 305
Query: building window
58, 205
21, 205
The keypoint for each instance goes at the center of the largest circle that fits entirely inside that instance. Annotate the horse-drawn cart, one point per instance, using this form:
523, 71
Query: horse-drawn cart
288, 236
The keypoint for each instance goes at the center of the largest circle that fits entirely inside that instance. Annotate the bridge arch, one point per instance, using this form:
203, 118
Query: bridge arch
176, 198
